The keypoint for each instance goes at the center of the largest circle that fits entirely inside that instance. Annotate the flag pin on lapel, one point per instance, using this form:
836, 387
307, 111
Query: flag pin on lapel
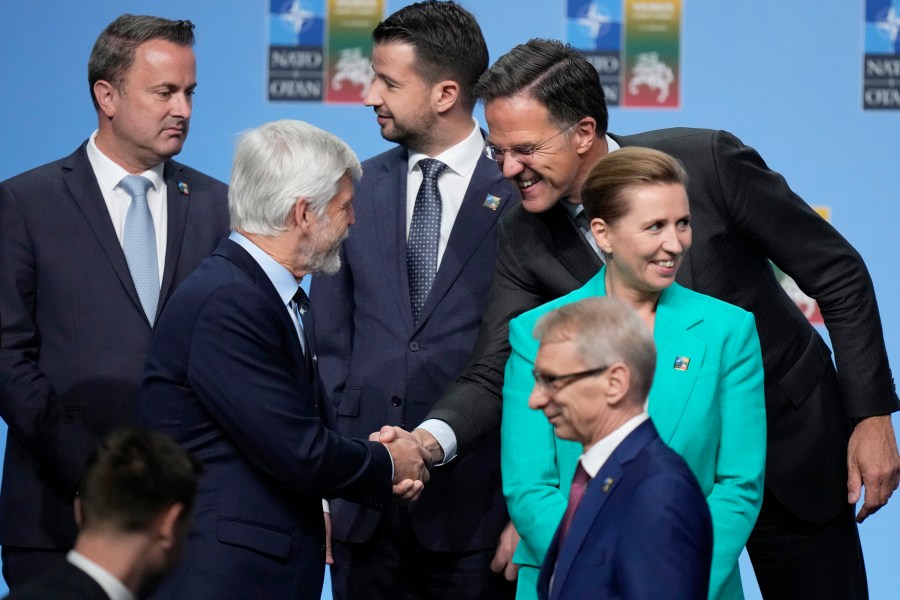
607, 483
184, 188
492, 202
681, 363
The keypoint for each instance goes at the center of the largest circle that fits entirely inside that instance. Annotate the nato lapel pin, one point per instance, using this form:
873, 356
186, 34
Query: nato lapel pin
492, 202
681, 363
184, 188
607, 483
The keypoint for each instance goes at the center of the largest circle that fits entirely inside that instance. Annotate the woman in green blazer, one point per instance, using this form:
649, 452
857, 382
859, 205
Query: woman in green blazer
707, 397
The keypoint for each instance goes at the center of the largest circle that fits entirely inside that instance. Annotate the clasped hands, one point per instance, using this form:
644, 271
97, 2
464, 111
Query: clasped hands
413, 454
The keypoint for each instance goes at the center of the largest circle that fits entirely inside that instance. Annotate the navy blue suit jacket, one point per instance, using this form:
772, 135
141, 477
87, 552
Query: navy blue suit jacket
75, 337
227, 379
67, 582
381, 369
642, 530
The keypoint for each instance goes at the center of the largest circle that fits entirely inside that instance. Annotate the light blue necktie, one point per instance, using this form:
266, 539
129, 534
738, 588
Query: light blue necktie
424, 233
140, 244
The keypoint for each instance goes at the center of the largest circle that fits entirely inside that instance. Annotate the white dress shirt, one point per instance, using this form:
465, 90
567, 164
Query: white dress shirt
114, 588
574, 209
452, 184
109, 175
596, 456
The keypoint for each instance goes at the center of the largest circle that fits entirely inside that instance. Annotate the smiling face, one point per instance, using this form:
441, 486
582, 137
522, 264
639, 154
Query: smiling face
148, 113
555, 169
649, 242
400, 96
577, 411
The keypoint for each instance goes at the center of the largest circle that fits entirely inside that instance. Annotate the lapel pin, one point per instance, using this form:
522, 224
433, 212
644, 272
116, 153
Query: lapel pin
184, 188
681, 363
607, 483
492, 202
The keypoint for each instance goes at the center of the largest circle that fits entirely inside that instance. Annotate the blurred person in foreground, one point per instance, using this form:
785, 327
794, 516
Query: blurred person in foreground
133, 511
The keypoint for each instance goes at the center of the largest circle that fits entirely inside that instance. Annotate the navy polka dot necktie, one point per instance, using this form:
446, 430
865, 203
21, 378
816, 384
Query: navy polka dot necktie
424, 232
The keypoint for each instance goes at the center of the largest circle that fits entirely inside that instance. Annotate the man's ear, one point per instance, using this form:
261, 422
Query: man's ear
167, 524
106, 95
300, 214
584, 134
618, 379
445, 95
77, 507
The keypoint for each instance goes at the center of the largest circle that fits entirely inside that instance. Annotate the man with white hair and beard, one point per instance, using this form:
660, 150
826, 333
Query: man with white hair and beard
232, 376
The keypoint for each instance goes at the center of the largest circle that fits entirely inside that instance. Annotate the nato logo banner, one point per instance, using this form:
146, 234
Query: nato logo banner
881, 63
635, 47
320, 50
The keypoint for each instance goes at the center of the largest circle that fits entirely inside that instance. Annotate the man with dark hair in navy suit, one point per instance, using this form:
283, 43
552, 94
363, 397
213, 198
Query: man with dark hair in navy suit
91, 248
398, 322
133, 509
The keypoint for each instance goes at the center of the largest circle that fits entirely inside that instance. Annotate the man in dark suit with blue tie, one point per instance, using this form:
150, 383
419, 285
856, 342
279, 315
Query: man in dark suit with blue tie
398, 322
232, 376
637, 524
91, 247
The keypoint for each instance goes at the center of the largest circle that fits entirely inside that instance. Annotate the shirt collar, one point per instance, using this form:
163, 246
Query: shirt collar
109, 174
284, 282
114, 588
596, 456
461, 158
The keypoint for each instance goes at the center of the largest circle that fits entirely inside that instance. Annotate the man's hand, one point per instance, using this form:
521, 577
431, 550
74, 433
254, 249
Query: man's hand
420, 436
411, 463
329, 559
872, 461
506, 547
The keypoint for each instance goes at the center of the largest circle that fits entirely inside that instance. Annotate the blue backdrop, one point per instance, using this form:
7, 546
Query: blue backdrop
786, 77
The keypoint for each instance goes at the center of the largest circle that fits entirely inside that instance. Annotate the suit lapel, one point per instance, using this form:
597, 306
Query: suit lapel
572, 250
177, 205
679, 359
599, 491
240, 257
390, 219
79, 178
473, 222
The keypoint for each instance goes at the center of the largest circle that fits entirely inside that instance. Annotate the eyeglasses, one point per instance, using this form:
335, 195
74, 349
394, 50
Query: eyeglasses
554, 383
522, 154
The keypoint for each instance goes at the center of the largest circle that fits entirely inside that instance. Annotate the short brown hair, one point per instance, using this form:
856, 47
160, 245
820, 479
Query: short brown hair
603, 192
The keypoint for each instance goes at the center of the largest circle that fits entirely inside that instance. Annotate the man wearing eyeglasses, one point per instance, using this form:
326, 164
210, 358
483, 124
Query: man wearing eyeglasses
398, 322
637, 524
830, 430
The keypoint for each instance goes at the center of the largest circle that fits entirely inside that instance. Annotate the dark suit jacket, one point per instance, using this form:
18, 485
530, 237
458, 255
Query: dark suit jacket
382, 369
743, 214
68, 582
227, 379
642, 530
74, 334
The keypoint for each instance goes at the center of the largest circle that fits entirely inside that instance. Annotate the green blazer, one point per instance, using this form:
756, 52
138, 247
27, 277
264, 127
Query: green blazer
712, 413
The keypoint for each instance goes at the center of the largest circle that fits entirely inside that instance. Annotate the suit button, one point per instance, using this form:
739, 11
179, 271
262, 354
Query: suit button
396, 401
414, 346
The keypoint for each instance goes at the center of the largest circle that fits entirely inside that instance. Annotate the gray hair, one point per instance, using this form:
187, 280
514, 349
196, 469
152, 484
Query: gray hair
113, 52
279, 162
605, 331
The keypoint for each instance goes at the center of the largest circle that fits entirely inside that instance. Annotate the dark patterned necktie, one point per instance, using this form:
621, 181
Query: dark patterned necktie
579, 484
424, 233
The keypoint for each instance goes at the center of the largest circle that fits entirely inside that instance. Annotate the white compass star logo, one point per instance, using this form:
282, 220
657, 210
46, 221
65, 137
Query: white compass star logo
593, 20
297, 16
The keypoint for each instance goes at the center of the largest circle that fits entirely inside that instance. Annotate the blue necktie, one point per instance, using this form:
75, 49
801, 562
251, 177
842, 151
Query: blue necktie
140, 244
424, 233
